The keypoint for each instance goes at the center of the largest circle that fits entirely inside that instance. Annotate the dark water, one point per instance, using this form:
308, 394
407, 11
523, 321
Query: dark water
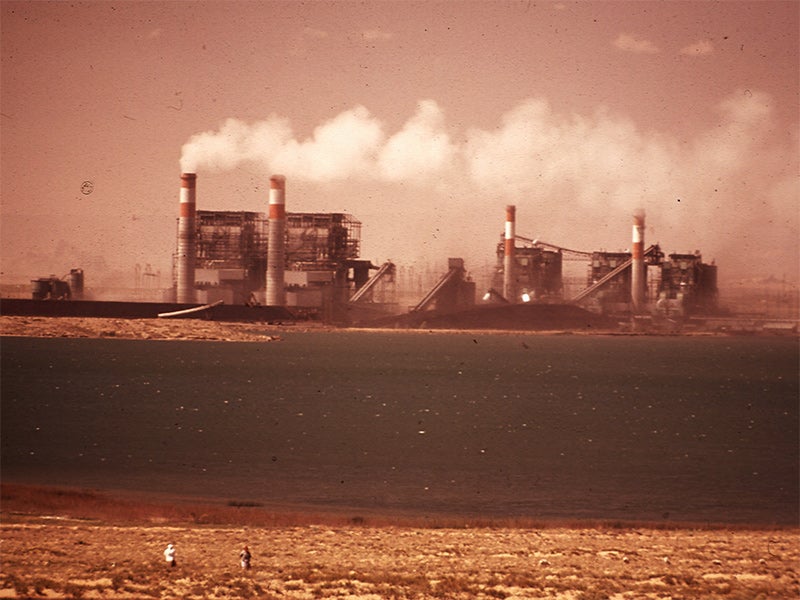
701, 429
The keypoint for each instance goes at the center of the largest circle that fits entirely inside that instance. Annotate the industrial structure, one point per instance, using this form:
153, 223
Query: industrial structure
309, 262
537, 270
275, 288
687, 285
305, 261
453, 292
279, 266
642, 281
69, 287
185, 264
509, 255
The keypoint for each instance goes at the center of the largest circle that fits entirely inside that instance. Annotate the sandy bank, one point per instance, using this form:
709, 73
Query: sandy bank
58, 554
65, 558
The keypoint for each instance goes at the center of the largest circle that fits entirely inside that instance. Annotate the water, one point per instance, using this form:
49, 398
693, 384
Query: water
657, 428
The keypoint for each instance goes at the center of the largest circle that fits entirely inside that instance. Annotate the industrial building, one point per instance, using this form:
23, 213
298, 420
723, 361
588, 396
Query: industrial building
537, 272
69, 287
642, 281
309, 266
231, 254
687, 285
308, 262
280, 266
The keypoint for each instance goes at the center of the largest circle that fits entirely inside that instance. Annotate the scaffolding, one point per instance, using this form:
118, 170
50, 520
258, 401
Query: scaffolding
231, 248
321, 240
230, 240
236, 239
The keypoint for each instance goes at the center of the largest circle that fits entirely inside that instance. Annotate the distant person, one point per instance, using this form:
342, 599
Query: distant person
169, 554
245, 556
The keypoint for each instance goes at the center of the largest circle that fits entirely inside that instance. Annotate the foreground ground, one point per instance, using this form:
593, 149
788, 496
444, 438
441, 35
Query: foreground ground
51, 549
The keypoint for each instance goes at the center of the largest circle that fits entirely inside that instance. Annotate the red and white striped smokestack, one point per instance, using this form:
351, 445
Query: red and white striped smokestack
186, 240
276, 292
509, 276
638, 268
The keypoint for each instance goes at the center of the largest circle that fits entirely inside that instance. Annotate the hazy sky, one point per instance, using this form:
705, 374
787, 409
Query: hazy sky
422, 119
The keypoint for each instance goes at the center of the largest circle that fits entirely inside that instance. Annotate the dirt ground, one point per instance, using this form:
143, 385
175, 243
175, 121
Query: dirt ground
184, 329
52, 557
143, 329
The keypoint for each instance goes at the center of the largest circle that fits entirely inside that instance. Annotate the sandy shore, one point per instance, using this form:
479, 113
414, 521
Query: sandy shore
219, 331
71, 544
64, 558
193, 329
141, 329
67, 558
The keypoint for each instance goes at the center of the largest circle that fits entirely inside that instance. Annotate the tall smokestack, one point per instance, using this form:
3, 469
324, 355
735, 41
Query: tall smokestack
276, 292
509, 283
638, 268
186, 240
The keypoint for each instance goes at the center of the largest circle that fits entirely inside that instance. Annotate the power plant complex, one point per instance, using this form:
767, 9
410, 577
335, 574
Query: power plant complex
310, 264
281, 265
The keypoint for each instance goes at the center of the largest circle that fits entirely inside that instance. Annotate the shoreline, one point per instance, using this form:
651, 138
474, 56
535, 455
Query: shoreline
57, 556
232, 331
134, 507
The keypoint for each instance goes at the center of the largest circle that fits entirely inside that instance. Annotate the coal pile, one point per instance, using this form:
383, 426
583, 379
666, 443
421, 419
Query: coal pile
519, 317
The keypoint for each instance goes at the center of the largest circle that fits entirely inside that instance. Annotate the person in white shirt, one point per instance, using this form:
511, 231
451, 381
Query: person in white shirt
244, 556
169, 554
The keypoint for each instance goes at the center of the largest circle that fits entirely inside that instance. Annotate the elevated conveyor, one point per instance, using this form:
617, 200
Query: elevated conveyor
387, 269
567, 253
455, 273
596, 286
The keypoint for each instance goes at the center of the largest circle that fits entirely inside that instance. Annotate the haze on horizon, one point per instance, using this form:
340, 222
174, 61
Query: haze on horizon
422, 119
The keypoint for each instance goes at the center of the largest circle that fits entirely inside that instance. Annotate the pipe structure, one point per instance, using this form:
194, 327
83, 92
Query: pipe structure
187, 240
638, 268
276, 247
509, 276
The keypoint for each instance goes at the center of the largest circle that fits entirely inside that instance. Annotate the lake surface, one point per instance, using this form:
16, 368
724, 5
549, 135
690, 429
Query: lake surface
501, 425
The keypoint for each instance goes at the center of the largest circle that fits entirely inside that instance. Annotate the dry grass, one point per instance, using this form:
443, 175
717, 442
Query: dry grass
142, 329
48, 551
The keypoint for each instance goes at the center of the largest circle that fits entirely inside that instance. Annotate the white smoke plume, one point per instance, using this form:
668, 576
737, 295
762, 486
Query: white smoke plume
421, 149
535, 150
351, 144
735, 181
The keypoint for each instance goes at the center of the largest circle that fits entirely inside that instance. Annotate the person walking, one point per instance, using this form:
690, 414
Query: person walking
244, 557
169, 554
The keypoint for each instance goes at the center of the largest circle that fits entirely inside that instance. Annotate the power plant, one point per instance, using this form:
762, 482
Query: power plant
281, 265
309, 262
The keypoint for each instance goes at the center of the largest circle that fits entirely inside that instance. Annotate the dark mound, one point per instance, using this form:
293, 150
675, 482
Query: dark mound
525, 317
138, 310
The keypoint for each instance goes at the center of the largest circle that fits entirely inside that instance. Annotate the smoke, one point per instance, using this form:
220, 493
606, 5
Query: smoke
421, 150
537, 154
738, 177
352, 144
235, 143
343, 147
